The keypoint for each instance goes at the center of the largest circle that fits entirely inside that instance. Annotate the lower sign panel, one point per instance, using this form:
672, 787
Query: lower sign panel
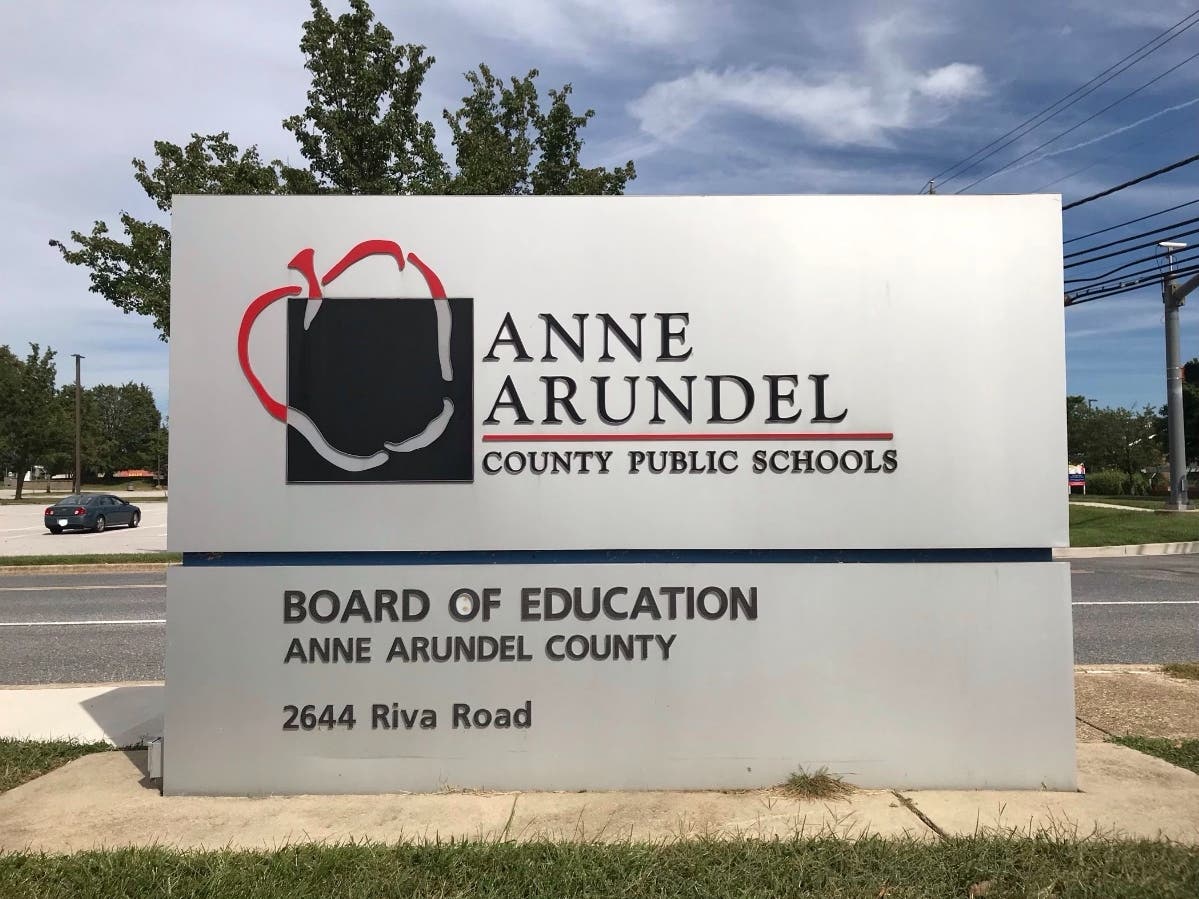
564, 677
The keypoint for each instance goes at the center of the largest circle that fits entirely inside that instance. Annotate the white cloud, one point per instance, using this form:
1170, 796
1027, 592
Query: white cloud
578, 28
837, 110
956, 81
858, 107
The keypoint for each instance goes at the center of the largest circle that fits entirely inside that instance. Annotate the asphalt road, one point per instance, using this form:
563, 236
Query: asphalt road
1139, 609
99, 628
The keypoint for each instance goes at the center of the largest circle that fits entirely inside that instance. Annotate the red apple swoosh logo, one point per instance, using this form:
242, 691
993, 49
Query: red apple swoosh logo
304, 263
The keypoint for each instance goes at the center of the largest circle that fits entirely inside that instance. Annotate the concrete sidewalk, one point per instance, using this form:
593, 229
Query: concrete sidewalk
121, 714
1066, 553
106, 800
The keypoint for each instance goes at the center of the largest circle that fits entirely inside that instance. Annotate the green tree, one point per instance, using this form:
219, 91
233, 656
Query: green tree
30, 416
61, 460
159, 449
360, 133
121, 428
505, 144
133, 272
1113, 438
10, 379
1190, 407
1190, 410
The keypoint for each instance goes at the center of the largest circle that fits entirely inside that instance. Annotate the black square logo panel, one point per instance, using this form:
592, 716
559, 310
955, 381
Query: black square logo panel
380, 390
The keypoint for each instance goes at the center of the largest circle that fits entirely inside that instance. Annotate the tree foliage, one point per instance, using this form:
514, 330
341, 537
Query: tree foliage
31, 423
133, 271
1190, 409
361, 132
121, 428
1113, 438
120, 425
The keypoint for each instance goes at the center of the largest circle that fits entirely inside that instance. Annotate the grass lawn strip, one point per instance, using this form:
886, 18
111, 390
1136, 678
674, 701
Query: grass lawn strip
23, 760
990, 866
1091, 526
90, 559
1183, 753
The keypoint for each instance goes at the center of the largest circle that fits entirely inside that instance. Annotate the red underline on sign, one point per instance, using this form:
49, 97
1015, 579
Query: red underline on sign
680, 438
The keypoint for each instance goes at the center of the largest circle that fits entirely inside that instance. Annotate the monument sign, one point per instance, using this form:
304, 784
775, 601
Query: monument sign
633, 492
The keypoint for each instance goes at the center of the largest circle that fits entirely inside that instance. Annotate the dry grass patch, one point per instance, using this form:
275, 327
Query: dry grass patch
1187, 670
818, 784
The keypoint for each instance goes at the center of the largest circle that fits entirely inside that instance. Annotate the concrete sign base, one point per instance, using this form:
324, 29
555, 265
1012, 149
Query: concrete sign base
364, 679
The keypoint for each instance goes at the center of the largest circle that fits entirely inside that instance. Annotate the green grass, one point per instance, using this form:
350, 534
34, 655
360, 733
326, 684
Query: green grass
23, 760
1140, 502
90, 559
819, 784
870, 867
1183, 753
1185, 670
1090, 526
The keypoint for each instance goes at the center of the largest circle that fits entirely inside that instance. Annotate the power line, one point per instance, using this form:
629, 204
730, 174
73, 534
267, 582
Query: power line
1089, 118
1156, 270
1119, 187
1053, 107
1098, 292
1131, 221
1104, 246
1108, 156
1156, 258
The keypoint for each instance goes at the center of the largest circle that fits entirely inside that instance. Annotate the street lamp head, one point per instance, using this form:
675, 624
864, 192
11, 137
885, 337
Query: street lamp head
1172, 245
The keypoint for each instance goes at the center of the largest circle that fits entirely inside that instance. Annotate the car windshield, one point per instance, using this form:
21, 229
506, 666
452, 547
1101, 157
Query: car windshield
75, 499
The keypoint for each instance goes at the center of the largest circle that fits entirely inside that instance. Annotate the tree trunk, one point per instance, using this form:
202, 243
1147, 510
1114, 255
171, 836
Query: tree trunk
20, 480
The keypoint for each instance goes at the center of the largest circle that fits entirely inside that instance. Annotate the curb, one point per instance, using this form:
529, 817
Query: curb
87, 568
1132, 549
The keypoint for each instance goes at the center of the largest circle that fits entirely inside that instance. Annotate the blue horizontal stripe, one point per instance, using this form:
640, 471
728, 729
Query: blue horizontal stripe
617, 557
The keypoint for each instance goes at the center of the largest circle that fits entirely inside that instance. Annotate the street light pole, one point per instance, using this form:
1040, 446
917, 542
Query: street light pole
1173, 296
78, 428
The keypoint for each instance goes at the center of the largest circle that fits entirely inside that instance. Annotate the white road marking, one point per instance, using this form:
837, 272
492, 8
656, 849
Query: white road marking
1140, 602
70, 587
93, 621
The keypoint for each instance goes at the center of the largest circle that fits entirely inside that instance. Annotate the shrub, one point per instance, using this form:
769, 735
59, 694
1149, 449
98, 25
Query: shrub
1106, 483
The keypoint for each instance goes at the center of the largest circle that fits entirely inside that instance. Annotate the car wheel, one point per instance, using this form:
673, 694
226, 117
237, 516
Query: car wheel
55, 530
99, 526
135, 520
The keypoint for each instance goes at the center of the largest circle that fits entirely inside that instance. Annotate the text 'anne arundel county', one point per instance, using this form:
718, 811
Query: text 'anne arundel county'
637, 408
609, 607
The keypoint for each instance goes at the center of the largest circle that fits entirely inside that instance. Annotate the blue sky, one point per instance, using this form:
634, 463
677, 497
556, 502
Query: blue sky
706, 97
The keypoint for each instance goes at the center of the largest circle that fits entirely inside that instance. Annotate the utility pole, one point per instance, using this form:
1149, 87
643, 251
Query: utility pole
1174, 295
78, 428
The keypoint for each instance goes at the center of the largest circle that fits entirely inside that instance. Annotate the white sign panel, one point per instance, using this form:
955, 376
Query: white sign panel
383, 678
531, 373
